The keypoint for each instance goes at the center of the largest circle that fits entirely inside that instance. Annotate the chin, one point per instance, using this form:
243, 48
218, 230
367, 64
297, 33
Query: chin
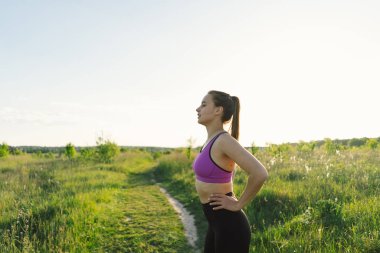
200, 122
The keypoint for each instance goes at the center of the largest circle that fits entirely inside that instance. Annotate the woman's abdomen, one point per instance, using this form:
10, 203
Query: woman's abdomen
206, 189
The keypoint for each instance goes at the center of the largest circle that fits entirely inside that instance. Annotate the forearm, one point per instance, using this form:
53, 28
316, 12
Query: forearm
253, 186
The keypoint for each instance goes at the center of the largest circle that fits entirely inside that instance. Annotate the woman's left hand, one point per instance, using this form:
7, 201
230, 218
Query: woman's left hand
222, 201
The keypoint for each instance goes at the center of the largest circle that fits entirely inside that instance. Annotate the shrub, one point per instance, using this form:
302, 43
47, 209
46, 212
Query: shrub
306, 148
70, 151
106, 150
372, 143
254, 148
156, 155
355, 142
190, 144
279, 150
87, 154
4, 150
16, 151
331, 147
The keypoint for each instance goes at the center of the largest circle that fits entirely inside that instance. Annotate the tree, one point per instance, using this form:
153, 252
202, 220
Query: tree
4, 150
106, 150
190, 143
355, 142
70, 151
254, 148
330, 146
372, 143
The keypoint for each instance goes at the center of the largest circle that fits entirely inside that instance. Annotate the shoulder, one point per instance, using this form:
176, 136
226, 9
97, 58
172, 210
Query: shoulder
236, 152
226, 138
226, 142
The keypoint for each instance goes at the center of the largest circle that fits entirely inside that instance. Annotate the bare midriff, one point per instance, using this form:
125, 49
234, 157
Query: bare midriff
206, 189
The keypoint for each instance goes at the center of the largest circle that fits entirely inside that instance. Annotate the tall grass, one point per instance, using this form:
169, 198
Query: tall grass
312, 201
57, 205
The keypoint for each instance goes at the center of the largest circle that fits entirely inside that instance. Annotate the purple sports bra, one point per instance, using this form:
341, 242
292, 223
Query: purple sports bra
206, 170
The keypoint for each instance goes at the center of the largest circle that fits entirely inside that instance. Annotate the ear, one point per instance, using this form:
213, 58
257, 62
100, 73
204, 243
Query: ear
219, 110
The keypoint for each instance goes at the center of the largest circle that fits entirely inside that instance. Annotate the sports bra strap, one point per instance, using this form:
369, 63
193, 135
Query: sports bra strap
212, 140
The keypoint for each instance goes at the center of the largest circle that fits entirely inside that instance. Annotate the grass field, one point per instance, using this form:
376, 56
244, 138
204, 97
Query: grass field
313, 201
55, 205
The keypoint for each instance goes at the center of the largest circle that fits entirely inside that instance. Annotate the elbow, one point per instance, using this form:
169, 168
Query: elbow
266, 175
263, 175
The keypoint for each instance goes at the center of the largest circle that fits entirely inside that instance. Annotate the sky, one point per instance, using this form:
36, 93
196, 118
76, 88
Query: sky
134, 72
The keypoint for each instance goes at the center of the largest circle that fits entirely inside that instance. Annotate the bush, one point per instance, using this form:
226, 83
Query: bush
254, 148
4, 150
70, 151
106, 150
372, 143
306, 147
331, 147
278, 150
87, 154
355, 142
16, 151
156, 155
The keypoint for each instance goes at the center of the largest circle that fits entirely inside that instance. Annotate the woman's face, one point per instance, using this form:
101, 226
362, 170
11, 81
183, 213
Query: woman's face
207, 111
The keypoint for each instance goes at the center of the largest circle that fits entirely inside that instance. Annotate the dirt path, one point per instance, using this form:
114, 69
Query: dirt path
144, 233
186, 218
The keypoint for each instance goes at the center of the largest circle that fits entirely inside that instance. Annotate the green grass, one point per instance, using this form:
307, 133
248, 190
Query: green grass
312, 202
175, 174
55, 205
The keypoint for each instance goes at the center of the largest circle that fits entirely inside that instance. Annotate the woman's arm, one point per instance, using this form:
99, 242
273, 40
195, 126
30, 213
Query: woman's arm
257, 174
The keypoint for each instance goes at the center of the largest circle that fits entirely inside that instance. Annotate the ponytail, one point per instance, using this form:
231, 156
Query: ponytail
231, 109
235, 118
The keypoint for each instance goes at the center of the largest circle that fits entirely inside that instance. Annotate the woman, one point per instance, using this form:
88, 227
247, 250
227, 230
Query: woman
229, 229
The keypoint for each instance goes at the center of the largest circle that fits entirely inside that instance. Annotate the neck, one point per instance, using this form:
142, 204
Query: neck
212, 130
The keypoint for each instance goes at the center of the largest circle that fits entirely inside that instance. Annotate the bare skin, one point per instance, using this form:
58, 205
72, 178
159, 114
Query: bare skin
206, 189
227, 152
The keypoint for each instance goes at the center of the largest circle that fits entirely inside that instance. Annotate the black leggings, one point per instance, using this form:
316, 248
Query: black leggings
228, 231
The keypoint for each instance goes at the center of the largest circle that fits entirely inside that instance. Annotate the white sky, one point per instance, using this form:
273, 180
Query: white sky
135, 71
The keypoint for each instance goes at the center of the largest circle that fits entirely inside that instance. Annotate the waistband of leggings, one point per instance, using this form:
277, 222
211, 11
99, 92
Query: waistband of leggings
208, 203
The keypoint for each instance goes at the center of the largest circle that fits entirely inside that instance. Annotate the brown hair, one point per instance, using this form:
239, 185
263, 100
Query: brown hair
231, 109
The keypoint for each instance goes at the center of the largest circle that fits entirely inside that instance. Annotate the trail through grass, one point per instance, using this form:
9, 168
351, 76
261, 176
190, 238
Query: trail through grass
53, 205
312, 202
